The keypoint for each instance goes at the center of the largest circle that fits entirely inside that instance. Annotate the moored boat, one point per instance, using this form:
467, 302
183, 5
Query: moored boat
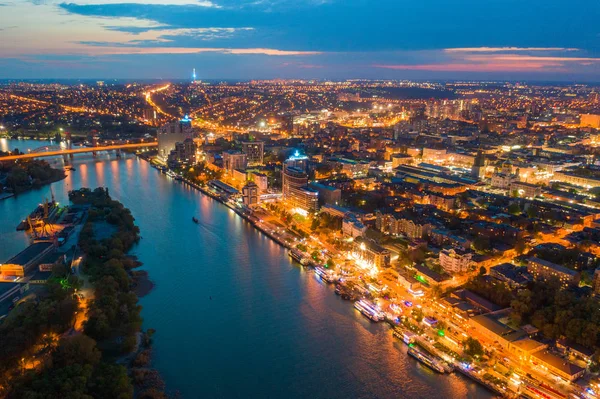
370, 310
426, 360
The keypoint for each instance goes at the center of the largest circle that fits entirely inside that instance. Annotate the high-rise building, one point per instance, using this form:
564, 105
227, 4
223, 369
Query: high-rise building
297, 160
171, 133
327, 194
478, 169
293, 178
234, 160
261, 180
255, 151
250, 194
149, 114
296, 191
184, 153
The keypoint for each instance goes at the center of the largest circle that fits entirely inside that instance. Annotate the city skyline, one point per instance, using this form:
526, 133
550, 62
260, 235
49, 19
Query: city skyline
228, 39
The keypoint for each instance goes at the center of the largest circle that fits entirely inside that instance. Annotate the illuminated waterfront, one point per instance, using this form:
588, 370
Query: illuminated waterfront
234, 317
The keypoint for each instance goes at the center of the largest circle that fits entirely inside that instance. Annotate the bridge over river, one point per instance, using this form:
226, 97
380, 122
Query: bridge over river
51, 151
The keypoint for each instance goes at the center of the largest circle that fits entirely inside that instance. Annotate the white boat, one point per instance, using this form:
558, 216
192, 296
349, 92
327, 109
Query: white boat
369, 310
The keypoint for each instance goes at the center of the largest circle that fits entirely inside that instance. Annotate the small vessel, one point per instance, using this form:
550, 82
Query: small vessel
296, 255
325, 274
195, 219
408, 337
370, 310
39, 215
339, 289
426, 360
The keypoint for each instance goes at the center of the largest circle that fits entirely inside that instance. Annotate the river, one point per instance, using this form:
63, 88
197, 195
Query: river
234, 318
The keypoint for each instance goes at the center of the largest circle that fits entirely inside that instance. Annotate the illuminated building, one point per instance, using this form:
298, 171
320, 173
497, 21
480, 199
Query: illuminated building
350, 167
254, 151
478, 169
296, 191
234, 160
401, 159
544, 270
445, 202
371, 253
502, 180
261, 180
526, 190
172, 133
399, 222
149, 114
298, 161
575, 179
327, 194
184, 152
434, 155
455, 261
352, 227
250, 194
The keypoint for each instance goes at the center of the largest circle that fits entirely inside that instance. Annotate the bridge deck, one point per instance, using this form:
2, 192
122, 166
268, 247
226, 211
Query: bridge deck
81, 150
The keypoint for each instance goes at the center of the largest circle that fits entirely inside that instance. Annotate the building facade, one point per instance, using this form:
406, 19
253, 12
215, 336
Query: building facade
455, 261
544, 270
234, 160
170, 134
255, 152
295, 189
250, 194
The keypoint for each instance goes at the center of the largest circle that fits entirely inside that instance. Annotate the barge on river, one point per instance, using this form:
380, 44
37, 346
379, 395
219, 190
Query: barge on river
430, 362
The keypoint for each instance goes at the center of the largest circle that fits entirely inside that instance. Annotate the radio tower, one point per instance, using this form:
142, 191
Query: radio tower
194, 75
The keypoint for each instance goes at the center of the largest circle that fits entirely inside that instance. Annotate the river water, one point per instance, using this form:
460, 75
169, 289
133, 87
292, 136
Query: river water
234, 318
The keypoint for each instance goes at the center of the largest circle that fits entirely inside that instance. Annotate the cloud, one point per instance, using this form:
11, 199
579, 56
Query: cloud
315, 24
504, 49
467, 67
528, 58
198, 3
159, 34
267, 51
493, 62
121, 50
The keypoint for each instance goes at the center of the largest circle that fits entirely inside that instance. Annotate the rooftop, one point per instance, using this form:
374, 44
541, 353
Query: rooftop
558, 363
29, 253
554, 266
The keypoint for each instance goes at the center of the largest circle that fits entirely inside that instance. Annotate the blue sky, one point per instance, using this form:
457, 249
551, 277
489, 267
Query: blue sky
330, 39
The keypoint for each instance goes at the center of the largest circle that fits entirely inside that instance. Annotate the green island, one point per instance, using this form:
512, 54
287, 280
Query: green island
24, 175
71, 345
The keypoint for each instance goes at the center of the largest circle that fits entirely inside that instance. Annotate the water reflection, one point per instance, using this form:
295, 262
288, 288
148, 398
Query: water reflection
234, 317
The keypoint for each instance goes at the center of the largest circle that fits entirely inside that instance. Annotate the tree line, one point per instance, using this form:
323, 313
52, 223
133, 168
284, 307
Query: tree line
83, 365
